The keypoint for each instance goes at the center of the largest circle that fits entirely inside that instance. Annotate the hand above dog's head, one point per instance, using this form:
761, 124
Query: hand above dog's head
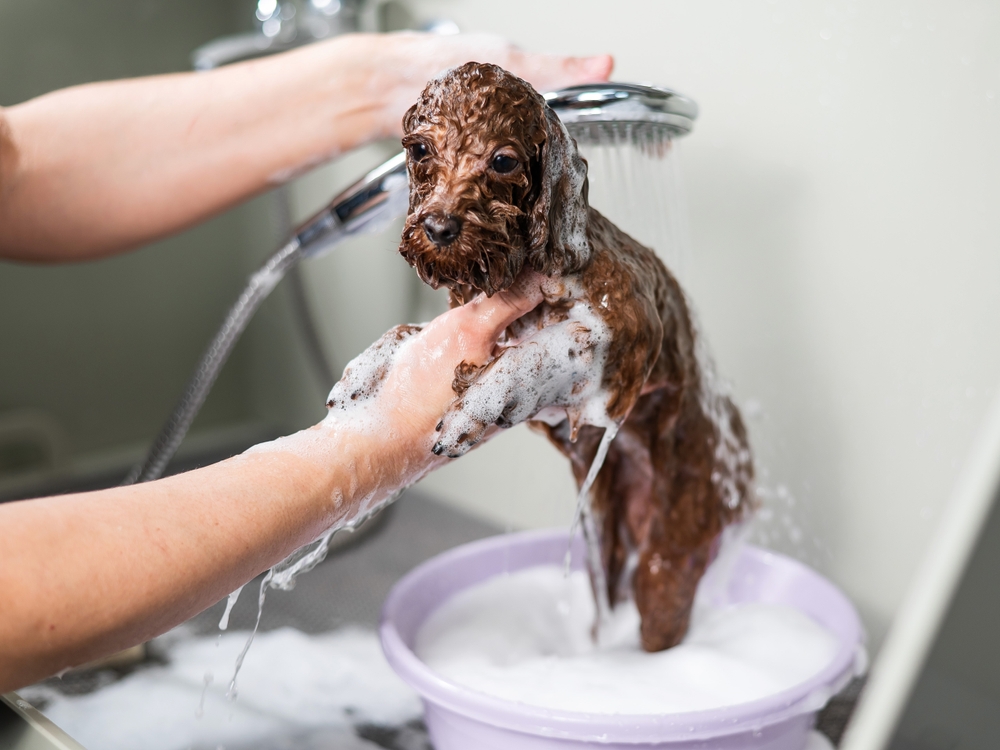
496, 183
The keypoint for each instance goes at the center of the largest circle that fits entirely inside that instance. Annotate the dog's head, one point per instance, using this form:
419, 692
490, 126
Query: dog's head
496, 183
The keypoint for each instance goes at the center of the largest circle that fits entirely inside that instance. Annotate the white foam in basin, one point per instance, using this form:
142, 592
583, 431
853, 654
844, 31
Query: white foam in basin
296, 690
525, 637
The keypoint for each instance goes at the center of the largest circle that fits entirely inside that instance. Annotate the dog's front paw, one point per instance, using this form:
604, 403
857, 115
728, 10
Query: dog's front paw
457, 433
464, 426
492, 400
504, 393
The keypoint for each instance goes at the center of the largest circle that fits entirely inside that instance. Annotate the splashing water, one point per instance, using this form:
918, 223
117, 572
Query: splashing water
230, 603
635, 181
206, 681
730, 452
232, 692
282, 576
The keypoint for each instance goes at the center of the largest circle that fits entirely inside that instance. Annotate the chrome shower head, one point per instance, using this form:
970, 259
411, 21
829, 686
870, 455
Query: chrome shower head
613, 113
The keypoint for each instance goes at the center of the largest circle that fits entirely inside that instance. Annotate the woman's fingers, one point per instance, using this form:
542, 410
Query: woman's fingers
544, 71
485, 318
403, 62
551, 72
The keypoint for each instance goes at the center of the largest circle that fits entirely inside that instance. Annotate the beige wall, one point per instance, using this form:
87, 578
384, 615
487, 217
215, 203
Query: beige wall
844, 189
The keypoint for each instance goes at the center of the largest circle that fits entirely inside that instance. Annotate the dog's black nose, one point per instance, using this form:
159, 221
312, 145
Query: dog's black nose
442, 230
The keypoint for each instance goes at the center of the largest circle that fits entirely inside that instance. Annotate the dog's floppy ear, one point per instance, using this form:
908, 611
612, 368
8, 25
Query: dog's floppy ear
557, 233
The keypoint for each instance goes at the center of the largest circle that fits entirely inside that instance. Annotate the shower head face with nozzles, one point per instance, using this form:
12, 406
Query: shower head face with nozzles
627, 132
647, 117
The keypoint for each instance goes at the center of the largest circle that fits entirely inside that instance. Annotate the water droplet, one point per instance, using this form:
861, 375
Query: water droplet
207, 679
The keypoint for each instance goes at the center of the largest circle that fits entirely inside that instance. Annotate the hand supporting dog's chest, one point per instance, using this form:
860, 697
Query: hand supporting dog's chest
551, 369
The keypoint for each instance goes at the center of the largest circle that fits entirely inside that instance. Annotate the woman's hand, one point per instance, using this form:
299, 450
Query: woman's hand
402, 63
393, 395
418, 389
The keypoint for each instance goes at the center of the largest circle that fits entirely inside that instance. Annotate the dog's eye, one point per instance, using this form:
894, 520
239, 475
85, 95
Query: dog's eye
504, 164
418, 151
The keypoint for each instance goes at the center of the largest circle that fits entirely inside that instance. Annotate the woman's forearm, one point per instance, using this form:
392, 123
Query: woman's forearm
101, 168
105, 167
87, 575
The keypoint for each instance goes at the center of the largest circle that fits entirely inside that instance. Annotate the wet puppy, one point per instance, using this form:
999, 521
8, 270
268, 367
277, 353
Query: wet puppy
497, 186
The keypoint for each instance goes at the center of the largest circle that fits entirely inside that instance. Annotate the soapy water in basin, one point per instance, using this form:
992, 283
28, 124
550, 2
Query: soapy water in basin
526, 637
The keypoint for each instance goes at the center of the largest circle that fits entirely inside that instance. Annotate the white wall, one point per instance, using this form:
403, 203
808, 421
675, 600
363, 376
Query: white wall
844, 191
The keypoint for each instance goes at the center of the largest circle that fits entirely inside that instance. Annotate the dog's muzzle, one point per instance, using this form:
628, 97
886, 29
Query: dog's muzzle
442, 230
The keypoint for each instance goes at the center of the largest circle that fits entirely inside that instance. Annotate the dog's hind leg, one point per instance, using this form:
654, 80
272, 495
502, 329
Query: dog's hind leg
666, 580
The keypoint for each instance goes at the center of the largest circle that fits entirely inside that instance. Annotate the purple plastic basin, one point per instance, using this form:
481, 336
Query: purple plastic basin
459, 718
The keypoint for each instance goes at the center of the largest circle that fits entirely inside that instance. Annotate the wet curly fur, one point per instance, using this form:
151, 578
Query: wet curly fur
497, 186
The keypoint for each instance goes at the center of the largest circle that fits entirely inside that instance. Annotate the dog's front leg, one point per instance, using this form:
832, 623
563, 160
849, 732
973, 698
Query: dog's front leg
559, 366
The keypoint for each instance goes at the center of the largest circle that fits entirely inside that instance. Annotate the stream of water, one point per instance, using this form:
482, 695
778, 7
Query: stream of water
584, 518
637, 184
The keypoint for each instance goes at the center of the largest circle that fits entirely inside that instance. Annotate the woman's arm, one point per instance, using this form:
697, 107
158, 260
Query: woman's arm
101, 168
85, 575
